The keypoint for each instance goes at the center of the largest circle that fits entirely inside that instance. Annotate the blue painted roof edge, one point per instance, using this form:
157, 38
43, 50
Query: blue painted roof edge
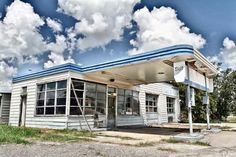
165, 52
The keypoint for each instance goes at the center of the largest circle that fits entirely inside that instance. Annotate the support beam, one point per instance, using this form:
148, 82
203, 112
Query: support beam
207, 106
188, 104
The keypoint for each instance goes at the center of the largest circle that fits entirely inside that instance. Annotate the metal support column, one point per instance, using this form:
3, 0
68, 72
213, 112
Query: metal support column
207, 106
188, 104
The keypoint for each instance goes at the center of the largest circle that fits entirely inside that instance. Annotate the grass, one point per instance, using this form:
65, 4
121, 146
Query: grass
144, 144
168, 150
120, 137
172, 140
21, 135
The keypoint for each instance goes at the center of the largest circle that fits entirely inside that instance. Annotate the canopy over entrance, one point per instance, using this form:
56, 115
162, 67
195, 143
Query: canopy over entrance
157, 66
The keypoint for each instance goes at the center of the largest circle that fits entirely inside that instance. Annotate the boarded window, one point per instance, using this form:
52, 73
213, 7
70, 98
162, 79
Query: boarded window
51, 98
151, 103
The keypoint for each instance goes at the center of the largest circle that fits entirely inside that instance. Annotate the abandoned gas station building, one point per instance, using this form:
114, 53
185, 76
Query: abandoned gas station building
124, 92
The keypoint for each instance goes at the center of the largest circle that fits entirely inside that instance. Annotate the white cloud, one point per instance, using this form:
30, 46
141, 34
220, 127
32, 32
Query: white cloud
56, 56
20, 39
59, 46
19, 34
6, 72
54, 25
99, 21
57, 59
228, 53
161, 28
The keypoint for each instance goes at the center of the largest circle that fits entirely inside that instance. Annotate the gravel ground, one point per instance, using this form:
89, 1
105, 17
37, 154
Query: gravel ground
92, 149
222, 145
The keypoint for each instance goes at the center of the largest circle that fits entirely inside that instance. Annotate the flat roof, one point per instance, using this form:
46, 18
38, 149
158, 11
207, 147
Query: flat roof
173, 53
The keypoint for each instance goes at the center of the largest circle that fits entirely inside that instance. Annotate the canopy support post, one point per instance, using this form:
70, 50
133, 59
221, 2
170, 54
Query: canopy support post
207, 106
188, 104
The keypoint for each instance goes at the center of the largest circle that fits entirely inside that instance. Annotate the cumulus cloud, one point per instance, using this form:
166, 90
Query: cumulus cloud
6, 72
19, 34
20, 39
54, 25
100, 22
161, 28
57, 59
56, 56
228, 53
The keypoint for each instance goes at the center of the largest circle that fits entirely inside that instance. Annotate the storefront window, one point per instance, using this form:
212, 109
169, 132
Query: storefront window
128, 102
151, 103
51, 98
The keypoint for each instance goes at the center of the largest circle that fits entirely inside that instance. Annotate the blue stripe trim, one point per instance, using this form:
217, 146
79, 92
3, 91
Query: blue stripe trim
157, 54
196, 85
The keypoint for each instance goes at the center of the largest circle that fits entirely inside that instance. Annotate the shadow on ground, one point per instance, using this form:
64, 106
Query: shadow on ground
154, 130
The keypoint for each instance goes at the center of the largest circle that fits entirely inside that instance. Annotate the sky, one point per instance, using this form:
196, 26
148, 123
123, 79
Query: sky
38, 34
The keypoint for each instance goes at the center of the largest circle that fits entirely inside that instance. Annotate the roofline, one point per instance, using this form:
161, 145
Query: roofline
205, 61
151, 55
160, 53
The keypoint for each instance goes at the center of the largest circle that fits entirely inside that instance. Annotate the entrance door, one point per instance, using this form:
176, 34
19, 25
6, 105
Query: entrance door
22, 111
111, 107
23, 107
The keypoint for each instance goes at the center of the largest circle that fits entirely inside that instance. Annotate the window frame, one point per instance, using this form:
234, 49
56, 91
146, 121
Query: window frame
55, 106
170, 109
122, 104
148, 106
85, 98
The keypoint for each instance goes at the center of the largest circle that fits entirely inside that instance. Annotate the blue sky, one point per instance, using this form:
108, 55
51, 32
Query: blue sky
210, 25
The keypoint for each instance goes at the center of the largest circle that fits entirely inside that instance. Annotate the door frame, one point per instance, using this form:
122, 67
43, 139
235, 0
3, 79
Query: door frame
22, 113
107, 105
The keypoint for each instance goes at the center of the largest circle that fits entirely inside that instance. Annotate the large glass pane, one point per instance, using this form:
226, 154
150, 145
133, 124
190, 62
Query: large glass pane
79, 94
51, 86
61, 93
41, 96
121, 92
61, 101
73, 102
61, 84
101, 96
91, 87
41, 87
101, 88
91, 95
128, 92
49, 110
101, 110
121, 98
101, 103
89, 110
50, 95
39, 111
78, 85
75, 111
61, 110
40, 103
50, 102
89, 103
